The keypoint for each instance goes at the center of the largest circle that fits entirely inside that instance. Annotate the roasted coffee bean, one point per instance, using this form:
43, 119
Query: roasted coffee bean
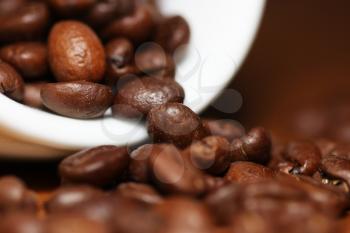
175, 123
105, 11
75, 52
213, 182
326, 146
137, 97
97, 166
7, 7
211, 154
139, 192
63, 223
11, 83
173, 173
225, 128
172, 33
184, 215
14, 196
27, 22
306, 154
29, 58
152, 60
336, 167
254, 147
137, 26
247, 172
77, 99
65, 198
68, 8
21, 223
32, 95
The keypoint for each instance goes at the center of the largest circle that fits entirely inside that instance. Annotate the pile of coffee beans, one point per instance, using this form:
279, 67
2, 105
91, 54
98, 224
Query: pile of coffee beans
79, 58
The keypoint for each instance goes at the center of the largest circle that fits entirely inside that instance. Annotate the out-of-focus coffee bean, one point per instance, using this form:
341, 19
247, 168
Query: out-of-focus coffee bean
104, 11
306, 154
32, 95
27, 22
137, 97
224, 128
254, 147
29, 58
11, 83
17, 222
184, 215
77, 99
325, 146
172, 33
213, 182
75, 52
66, 198
69, 8
98, 166
211, 154
336, 167
247, 172
173, 173
137, 26
7, 7
14, 196
140, 192
175, 123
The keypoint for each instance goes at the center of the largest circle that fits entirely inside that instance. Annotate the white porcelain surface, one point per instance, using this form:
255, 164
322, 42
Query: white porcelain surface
222, 32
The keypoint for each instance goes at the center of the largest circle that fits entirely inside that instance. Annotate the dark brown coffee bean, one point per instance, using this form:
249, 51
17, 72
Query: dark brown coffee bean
11, 83
32, 96
104, 11
184, 215
225, 128
137, 27
211, 154
77, 99
306, 154
139, 192
336, 167
137, 97
63, 223
66, 198
7, 7
14, 196
69, 8
27, 22
175, 123
29, 58
247, 172
97, 166
254, 147
75, 52
174, 174
21, 223
172, 33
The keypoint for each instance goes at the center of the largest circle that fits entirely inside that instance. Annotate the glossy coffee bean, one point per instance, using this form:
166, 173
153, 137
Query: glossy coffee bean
139, 192
306, 154
224, 128
66, 198
336, 167
68, 8
254, 147
11, 83
29, 58
27, 22
32, 95
247, 172
137, 97
137, 26
175, 123
105, 11
97, 166
173, 174
211, 154
17, 222
75, 52
79, 99
172, 33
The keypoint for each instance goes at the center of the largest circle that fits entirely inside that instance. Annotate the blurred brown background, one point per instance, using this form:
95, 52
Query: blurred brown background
300, 59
